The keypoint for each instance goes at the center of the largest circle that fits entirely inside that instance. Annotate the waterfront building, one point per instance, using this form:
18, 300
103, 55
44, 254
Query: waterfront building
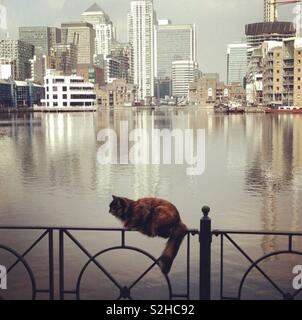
203, 91
141, 21
254, 75
236, 62
68, 91
20, 94
209, 90
172, 43
119, 93
83, 35
18, 53
282, 81
184, 72
257, 33
6, 94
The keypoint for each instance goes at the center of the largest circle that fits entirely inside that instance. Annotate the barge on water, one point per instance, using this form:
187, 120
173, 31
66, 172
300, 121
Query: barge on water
285, 109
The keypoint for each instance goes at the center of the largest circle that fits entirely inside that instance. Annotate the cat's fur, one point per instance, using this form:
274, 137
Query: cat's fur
155, 218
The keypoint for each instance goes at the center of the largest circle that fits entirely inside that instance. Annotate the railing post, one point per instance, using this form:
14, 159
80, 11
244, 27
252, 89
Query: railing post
205, 240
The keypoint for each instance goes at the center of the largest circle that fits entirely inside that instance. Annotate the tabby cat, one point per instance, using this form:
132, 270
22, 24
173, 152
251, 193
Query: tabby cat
154, 218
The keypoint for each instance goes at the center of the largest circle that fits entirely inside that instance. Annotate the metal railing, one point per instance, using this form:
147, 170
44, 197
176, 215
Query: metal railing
206, 234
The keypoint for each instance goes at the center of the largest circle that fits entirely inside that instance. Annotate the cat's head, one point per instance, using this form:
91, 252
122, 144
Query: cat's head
119, 207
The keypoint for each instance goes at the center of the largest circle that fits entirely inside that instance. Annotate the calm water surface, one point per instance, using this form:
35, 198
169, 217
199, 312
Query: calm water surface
49, 175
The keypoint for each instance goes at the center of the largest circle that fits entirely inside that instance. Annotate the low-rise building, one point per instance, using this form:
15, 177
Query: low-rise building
20, 94
68, 91
117, 94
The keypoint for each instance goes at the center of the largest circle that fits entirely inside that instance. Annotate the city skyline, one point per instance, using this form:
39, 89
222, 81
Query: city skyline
211, 58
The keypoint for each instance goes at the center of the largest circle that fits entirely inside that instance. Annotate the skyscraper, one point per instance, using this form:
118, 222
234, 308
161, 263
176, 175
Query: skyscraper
39, 37
83, 35
103, 26
236, 62
95, 15
141, 20
270, 10
173, 42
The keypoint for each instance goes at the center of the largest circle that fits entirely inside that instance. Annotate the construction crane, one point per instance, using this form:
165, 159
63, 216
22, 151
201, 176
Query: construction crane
272, 6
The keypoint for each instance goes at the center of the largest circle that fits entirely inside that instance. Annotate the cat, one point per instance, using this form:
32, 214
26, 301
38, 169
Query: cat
153, 217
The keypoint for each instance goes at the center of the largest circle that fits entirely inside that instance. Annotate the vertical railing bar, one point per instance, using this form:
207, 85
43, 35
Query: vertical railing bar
61, 265
188, 266
290, 244
221, 266
123, 238
51, 264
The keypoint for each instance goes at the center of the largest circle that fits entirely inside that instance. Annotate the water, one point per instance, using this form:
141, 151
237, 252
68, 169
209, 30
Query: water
253, 181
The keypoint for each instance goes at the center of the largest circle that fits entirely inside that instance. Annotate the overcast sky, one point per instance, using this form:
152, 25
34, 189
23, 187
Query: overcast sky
219, 22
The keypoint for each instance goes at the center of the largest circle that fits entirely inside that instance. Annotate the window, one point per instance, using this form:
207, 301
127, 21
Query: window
55, 96
64, 104
64, 88
55, 104
55, 89
299, 87
278, 71
64, 96
278, 80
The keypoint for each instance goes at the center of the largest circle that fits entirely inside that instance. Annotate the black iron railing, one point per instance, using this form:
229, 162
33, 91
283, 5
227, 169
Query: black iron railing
206, 234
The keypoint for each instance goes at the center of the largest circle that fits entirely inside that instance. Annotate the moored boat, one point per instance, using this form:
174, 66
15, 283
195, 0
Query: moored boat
285, 109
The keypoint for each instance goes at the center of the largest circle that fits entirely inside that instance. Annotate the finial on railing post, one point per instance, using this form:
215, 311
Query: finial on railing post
206, 210
205, 239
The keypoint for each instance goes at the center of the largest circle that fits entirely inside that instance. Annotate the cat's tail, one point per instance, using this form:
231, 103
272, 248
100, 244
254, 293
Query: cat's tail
172, 248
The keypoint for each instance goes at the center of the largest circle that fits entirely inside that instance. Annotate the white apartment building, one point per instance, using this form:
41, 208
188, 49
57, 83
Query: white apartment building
184, 72
141, 20
68, 91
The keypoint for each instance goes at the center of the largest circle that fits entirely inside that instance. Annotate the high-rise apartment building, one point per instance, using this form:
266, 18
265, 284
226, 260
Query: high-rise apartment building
141, 21
19, 54
184, 72
83, 35
270, 10
173, 42
236, 62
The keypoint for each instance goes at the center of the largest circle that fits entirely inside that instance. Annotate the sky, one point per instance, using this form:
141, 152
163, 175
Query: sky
218, 22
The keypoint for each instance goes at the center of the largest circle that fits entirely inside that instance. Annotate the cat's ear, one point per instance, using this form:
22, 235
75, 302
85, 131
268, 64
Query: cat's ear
114, 198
